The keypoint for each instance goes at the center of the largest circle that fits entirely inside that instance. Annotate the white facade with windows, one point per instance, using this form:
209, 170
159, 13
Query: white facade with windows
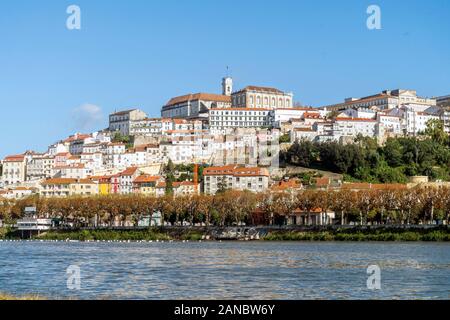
234, 177
353, 127
222, 120
14, 170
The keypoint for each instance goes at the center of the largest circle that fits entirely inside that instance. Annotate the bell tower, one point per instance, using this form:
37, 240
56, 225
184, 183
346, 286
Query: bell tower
227, 86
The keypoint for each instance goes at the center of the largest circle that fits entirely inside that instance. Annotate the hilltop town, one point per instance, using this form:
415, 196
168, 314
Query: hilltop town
207, 142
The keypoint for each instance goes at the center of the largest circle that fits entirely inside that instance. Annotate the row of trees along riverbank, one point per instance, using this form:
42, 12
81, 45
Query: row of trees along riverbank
402, 206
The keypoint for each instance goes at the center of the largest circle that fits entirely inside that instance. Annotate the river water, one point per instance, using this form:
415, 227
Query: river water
226, 270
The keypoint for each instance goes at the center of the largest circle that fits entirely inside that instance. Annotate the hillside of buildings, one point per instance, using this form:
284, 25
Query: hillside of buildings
396, 161
255, 139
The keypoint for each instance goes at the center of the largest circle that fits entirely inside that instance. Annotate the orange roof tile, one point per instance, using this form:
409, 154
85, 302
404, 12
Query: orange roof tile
198, 96
129, 171
146, 178
14, 158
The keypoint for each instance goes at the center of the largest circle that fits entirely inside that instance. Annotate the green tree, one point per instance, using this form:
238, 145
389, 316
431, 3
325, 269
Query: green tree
435, 130
393, 152
169, 171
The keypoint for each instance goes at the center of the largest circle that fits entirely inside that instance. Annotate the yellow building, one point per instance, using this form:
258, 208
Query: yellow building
83, 187
103, 183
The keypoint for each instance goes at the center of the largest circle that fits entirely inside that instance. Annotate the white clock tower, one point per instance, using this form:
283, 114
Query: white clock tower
227, 86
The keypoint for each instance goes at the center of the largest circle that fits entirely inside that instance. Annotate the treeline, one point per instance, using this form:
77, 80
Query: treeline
365, 160
408, 206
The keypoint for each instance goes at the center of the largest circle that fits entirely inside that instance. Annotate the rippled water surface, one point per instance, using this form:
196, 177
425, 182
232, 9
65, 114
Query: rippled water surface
228, 270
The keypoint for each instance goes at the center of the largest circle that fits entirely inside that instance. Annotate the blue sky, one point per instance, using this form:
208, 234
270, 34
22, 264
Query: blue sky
54, 82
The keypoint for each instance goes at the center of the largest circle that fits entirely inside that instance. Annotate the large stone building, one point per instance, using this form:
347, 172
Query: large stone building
261, 97
387, 99
121, 121
234, 177
193, 105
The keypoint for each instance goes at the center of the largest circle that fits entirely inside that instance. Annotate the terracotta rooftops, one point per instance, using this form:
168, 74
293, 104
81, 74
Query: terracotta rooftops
14, 158
145, 178
235, 171
262, 89
66, 181
129, 171
198, 96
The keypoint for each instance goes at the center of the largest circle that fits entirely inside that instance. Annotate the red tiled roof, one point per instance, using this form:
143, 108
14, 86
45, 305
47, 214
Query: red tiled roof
262, 89
235, 171
289, 184
129, 171
322, 181
14, 158
199, 96
146, 178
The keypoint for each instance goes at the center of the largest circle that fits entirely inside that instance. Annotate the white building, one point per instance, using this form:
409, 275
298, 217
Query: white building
364, 113
74, 171
278, 116
351, 127
299, 134
392, 125
14, 170
234, 177
35, 168
222, 120
126, 179
416, 121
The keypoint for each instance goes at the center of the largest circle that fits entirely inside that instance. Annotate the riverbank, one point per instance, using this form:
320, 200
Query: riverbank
435, 235
318, 233
4, 297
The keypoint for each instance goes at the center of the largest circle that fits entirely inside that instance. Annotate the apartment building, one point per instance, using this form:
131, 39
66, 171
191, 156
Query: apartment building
35, 168
355, 126
234, 177
14, 170
73, 171
65, 187
126, 179
225, 119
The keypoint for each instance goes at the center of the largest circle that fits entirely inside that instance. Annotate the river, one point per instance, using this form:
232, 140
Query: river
224, 270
